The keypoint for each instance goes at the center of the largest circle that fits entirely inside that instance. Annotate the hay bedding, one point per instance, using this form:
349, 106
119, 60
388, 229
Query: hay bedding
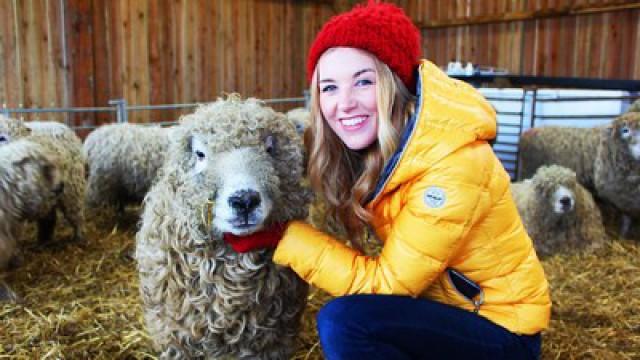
81, 302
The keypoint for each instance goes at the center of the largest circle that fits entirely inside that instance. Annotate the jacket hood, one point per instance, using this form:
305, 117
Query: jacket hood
449, 114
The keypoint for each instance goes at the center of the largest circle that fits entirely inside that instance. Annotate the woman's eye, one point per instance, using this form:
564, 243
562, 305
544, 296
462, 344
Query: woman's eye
328, 88
364, 82
200, 155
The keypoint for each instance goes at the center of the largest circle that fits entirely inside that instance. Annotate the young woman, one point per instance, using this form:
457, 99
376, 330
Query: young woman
397, 146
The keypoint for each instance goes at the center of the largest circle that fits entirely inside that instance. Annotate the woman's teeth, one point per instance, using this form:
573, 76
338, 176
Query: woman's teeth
353, 121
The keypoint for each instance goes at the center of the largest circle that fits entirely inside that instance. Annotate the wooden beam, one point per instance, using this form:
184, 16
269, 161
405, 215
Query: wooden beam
528, 15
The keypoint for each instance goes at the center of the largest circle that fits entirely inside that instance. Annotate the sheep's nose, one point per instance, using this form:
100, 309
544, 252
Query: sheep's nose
244, 201
565, 201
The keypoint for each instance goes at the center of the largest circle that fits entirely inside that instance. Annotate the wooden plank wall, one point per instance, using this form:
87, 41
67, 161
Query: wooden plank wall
599, 45
81, 53
56, 53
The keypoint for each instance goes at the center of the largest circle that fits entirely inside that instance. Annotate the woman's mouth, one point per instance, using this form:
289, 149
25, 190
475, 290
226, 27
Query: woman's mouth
353, 123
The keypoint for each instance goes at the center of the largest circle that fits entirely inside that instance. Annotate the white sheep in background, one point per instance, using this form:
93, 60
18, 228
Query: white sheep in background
123, 161
30, 190
574, 148
65, 150
558, 212
617, 167
606, 160
232, 167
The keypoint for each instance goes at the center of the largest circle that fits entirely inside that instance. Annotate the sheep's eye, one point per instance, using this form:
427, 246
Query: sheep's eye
3, 139
625, 132
200, 155
270, 144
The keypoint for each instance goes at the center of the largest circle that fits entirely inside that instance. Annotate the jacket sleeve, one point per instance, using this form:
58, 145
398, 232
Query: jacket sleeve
420, 242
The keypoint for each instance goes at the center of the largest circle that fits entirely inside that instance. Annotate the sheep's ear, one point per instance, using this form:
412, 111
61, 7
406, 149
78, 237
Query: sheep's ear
186, 145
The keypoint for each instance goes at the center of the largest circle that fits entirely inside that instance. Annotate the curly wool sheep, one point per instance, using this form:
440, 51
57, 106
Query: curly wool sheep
558, 212
123, 161
65, 149
30, 189
233, 167
574, 148
617, 166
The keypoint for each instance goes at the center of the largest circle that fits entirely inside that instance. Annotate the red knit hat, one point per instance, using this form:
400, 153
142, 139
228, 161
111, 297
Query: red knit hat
382, 29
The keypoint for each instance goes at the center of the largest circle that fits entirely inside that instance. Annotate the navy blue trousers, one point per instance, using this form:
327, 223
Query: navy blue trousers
400, 327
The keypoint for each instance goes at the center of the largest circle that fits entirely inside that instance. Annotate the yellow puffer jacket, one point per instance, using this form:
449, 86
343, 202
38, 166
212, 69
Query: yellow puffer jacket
444, 203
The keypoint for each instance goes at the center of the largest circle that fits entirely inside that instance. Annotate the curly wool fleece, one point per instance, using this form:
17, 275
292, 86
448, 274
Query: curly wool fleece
62, 145
200, 297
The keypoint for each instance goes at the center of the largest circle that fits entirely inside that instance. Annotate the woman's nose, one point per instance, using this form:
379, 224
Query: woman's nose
347, 101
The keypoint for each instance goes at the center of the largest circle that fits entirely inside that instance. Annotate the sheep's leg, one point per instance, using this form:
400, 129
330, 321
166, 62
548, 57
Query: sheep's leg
8, 243
46, 227
625, 226
74, 213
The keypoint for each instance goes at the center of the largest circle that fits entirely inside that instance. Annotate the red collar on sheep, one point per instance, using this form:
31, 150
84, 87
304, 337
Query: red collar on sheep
267, 238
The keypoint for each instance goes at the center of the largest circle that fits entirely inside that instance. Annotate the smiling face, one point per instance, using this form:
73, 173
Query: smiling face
348, 98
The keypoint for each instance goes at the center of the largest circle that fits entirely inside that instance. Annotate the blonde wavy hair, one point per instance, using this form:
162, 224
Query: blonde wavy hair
346, 178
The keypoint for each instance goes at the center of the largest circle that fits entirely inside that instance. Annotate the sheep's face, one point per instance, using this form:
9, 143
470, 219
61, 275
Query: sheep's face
11, 129
241, 182
238, 166
563, 200
556, 187
625, 130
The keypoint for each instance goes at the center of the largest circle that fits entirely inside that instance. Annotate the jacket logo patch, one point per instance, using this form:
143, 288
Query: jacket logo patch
434, 197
